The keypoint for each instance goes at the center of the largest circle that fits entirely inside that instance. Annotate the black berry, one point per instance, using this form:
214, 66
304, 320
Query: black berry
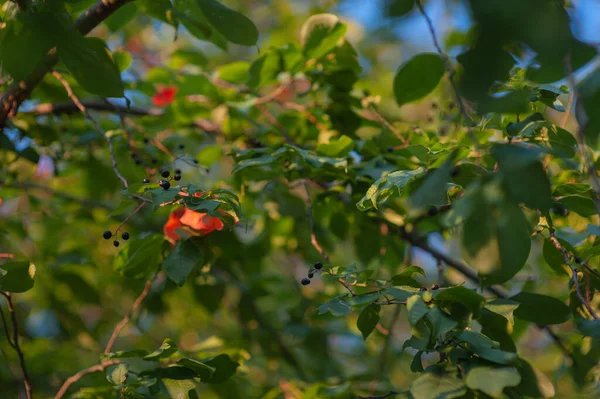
455, 171
166, 185
311, 275
146, 181
577, 259
133, 155
154, 161
165, 173
196, 161
422, 289
125, 236
146, 141
435, 287
432, 211
161, 182
390, 149
181, 146
107, 234
318, 265
177, 171
305, 281
177, 177
116, 243
138, 162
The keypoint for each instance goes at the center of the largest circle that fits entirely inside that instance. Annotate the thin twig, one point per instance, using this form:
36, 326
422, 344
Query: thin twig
127, 317
77, 376
16, 345
582, 120
5, 324
139, 207
387, 124
83, 110
565, 118
69, 107
574, 270
451, 71
315, 242
387, 395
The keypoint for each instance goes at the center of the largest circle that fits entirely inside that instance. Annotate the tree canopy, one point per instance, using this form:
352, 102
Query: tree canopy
295, 199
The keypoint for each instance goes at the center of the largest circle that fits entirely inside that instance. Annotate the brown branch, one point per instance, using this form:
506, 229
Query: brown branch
389, 126
16, 345
472, 275
84, 111
139, 207
127, 317
574, 270
387, 395
583, 120
13, 97
5, 325
96, 105
77, 376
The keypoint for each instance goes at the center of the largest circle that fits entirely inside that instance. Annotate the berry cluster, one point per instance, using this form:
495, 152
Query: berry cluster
108, 235
311, 273
165, 184
433, 288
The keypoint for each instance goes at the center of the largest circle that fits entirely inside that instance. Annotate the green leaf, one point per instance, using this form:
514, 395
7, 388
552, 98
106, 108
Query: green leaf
497, 328
503, 307
534, 383
167, 348
117, 20
140, 256
469, 298
417, 309
208, 155
554, 257
179, 389
182, 260
204, 371
264, 70
125, 354
406, 276
336, 148
90, 63
117, 375
525, 176
320, 34
368, 319
438, 382
234, 26
416, 366
441, 323
335, 306
224, 369
540, 309
26, 39
589, 328
484, 348
418, 77
390, 185
434, 190
161, 196
492, 380
122, 60
17, 276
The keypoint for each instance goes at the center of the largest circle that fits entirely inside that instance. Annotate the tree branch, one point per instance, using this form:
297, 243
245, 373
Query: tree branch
96, 105
574, 270
15, 342
18, 92
77, 376
84, 111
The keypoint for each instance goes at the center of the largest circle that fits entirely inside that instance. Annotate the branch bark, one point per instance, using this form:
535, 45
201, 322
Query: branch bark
76, 377
15, 342
18, 92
